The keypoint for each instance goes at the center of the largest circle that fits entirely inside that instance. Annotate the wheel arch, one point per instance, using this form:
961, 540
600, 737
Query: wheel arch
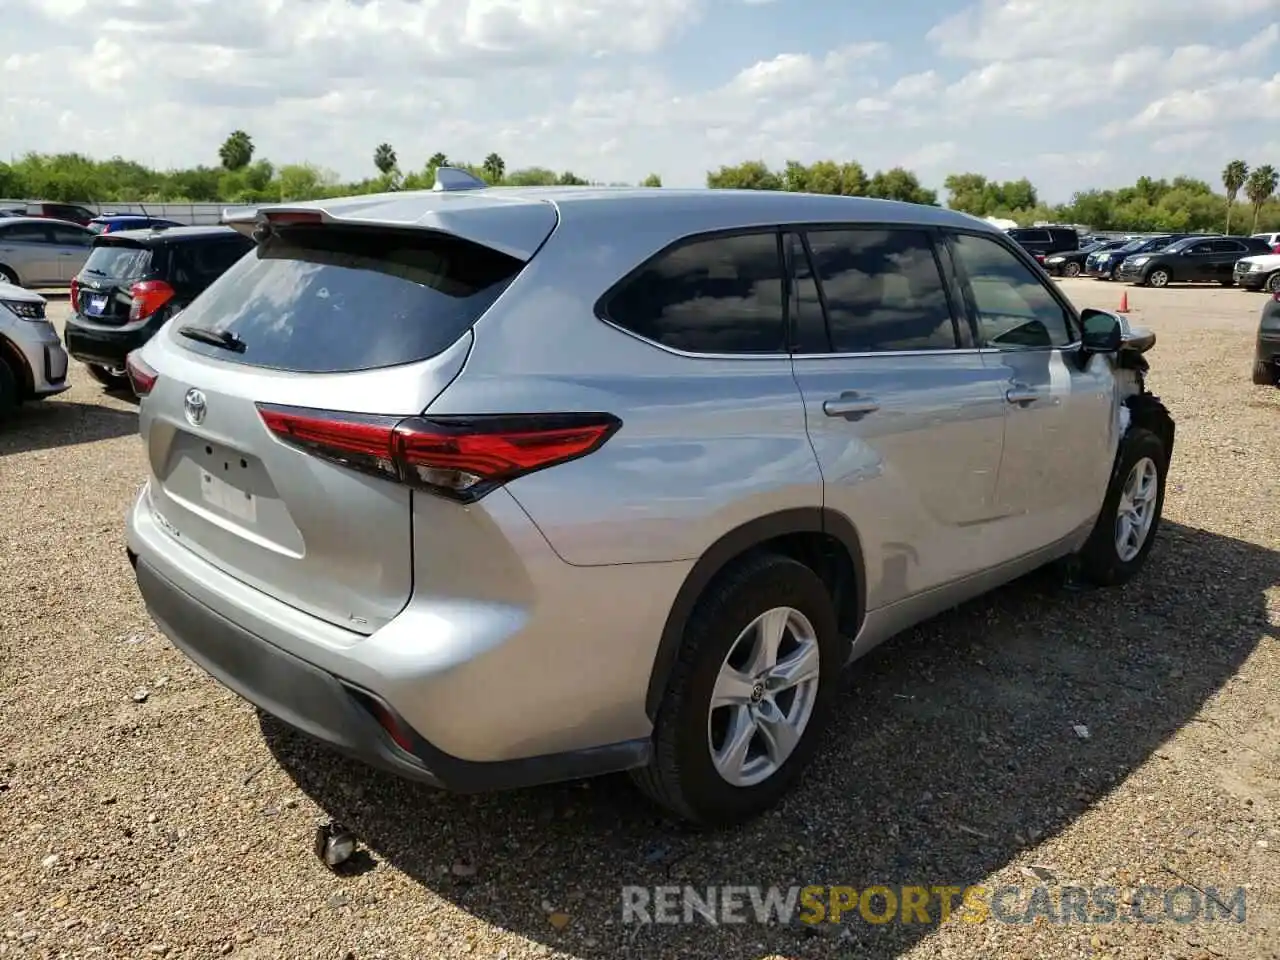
821, 538
16, 361
1147, 411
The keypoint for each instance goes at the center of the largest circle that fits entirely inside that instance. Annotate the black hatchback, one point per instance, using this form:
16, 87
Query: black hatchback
133, 282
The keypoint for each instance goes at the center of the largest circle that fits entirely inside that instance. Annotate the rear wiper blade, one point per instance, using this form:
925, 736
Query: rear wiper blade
217, 338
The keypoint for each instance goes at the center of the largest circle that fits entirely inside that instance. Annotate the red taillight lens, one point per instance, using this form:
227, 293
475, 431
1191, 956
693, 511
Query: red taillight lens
75, 296
148, 297
141, 377
459, 457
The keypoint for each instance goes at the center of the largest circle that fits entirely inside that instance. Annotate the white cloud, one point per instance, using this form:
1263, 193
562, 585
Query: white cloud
991, 29
1250, 98
614, 89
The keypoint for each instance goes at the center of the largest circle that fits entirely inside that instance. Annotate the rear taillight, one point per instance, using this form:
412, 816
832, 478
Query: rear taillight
463, 457
141, 377
75, 296
148, 297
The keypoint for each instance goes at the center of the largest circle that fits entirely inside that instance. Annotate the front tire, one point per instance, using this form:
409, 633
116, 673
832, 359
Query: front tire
9, 396
109, 378
1071, 270
1264, 374
1158, 278
8, 276
749, 696
1272, 284
1126, 526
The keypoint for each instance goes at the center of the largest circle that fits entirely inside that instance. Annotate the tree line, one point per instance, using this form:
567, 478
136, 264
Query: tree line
1248, 199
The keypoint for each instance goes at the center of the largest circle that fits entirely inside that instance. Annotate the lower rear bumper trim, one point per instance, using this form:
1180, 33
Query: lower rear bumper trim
322, 705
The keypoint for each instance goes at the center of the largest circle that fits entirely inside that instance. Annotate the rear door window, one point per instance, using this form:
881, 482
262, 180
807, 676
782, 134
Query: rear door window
718, 295
883, 290
334, 299
118, 262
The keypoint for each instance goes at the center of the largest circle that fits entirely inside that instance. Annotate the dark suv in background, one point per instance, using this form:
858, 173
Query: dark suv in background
1045, 240
1191, 260
133, 282
1105, 264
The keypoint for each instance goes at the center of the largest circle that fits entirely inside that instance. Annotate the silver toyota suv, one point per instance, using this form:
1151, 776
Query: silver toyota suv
496, 487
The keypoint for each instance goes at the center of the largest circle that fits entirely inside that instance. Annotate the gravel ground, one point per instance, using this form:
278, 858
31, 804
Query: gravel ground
179, 824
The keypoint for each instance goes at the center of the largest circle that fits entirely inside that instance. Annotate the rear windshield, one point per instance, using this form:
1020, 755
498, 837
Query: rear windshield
333, 299
116, 262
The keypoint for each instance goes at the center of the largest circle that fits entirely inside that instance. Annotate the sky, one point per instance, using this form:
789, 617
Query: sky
1072, 94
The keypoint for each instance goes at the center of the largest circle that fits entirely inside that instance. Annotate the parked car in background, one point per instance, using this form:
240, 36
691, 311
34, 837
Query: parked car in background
1258, 272
115, 222
1191, 260
70, 212
1045, 240
408, 456
36, 252
133, 282
1272, 240
1266, 357
33, 363
1105, 264
1071, 262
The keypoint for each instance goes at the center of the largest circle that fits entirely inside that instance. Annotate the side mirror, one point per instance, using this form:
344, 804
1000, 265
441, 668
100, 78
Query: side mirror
1103, 332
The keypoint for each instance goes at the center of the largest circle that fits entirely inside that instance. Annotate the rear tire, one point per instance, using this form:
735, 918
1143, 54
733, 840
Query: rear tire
1138, 478
109, 379
1264, 374
683, 777
8, 276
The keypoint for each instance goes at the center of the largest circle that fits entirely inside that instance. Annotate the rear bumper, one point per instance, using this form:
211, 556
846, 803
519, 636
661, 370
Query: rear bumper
486, 701
104, 345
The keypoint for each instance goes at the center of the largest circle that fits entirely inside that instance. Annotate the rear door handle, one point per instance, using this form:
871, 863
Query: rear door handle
850, 405
1022, 394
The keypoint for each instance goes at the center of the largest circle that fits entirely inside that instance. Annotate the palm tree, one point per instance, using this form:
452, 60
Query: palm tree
437, 160
494, 168
1259, 187
384, 158
236, 151
1234, 175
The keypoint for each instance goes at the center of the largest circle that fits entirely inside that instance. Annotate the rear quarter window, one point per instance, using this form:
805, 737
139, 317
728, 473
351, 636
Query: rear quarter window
334, 299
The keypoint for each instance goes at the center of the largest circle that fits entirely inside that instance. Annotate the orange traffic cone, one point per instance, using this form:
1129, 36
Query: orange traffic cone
1124, 302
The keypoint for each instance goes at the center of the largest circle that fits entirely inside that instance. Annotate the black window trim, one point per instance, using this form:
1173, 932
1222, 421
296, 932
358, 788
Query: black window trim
952, 281
1069, 309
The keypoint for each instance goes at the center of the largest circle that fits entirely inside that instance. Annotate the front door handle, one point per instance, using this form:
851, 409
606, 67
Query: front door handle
851, 405
1022, 394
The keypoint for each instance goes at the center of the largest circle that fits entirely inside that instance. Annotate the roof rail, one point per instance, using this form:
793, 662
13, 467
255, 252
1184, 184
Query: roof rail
455, 178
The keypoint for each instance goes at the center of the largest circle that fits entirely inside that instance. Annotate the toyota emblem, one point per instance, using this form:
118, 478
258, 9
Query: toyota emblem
194, 405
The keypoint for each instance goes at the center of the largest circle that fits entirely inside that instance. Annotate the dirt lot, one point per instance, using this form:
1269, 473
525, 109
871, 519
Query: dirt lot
181, 825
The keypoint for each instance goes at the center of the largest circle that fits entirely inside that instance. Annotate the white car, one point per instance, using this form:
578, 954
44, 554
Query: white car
1258, 272
33, 363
